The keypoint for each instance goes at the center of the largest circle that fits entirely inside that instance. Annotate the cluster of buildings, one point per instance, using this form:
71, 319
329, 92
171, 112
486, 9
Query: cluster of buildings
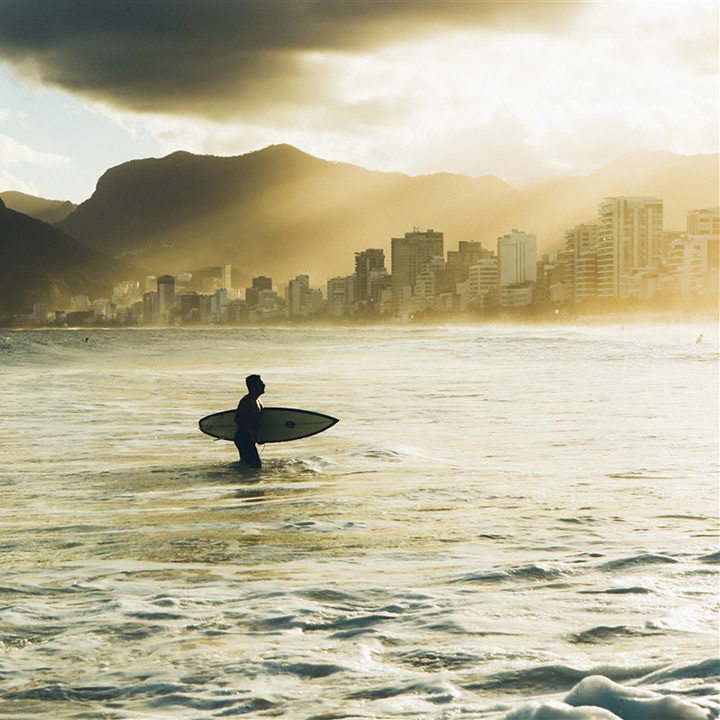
624, 255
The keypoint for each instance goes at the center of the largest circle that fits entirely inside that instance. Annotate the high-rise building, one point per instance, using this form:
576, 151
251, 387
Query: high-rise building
688, 259
427, 284
692, 257
236, 311
267, 304
166, 296
40, 312
552, 285
408, 255
251, 297
189, 303
226, 277
629, 243
340, 295
314, 301
512, 296
297, 293
150, 308
483, 280
459, 261
517, 258
581, 248
380, 291
103, 309
218, 307
252, 294
262, 282
367, 263
704, 222
205, 308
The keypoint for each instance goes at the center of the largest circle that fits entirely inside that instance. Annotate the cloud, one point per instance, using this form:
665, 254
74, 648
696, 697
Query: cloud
14, 153
10, 182
227, 58
523, 90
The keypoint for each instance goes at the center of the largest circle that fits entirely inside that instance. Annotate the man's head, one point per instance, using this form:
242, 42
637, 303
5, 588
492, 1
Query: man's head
255, 385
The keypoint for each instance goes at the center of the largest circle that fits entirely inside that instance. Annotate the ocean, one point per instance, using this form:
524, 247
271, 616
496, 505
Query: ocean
509, 522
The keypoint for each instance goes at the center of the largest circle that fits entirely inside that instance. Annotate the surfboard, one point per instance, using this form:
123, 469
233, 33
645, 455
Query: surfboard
276, 424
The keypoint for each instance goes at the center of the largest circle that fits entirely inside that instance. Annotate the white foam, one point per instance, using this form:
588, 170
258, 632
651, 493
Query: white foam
555, 710
632, 703
599, 698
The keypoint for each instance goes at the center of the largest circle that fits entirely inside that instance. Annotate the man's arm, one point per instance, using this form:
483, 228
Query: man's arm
247, 416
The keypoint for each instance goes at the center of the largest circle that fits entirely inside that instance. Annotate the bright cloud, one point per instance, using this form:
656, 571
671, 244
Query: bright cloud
522, 106
10, 182
14, 153
524, 91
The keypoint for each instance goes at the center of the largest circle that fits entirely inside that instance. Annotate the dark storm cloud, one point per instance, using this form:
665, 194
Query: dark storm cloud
220, 58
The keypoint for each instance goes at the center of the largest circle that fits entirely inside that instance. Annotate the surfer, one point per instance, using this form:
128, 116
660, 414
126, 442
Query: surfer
247, 417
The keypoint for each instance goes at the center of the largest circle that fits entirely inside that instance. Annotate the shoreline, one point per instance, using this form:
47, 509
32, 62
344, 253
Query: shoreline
604, 319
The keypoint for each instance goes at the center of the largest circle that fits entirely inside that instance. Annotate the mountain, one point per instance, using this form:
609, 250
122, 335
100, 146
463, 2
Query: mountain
276, 212
684, 183
41, 264
281, 212
49, 211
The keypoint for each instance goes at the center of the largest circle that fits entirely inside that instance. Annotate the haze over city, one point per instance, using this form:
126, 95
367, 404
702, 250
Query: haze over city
526, 91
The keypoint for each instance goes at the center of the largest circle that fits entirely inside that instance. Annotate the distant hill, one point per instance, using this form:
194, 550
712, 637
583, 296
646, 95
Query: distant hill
49, 211
276, 212
39, 263
684, 183
280, 212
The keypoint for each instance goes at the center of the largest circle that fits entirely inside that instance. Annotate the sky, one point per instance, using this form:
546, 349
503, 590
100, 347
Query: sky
526, 91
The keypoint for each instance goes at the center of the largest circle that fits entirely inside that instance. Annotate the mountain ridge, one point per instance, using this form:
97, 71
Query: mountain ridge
275, 211
41, 264
40, 208
280, 211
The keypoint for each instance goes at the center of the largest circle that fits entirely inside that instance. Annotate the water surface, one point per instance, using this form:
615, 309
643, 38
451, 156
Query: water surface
506, 521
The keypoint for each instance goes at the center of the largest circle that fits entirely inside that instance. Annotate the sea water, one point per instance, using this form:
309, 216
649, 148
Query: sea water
516, 522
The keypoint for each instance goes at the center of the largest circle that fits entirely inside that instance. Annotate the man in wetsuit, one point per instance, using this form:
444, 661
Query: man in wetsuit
247, 417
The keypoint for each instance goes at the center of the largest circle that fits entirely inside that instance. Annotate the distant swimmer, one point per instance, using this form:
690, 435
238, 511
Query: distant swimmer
247, 417
699, 340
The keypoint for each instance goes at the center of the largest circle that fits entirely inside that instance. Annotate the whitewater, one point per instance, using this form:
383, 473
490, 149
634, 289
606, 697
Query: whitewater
508, 523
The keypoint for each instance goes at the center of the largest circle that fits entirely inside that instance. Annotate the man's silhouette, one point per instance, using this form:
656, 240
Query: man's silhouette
247, 417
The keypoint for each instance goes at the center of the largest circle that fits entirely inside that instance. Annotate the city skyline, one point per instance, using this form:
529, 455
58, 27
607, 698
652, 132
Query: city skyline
411, 87
626, 255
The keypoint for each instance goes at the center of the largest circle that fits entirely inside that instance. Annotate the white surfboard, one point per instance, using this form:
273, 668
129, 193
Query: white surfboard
276, 424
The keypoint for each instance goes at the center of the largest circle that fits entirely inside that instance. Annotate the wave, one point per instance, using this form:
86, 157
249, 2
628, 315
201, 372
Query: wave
439, 691
598, 698
552, 678
708, 669
604, 634
641, 560
533, 572
434, 661
305, 670
162, 696
634, 590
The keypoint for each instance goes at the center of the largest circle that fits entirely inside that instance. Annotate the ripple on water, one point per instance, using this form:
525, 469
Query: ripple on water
606, 634
638, 561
